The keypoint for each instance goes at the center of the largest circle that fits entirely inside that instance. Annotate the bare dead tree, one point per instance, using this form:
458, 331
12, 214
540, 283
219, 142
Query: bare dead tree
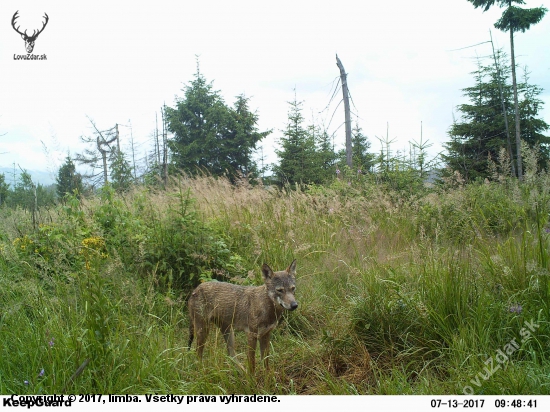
164, 145
90, 157
157, 148
133, 150
345, 91
117, 138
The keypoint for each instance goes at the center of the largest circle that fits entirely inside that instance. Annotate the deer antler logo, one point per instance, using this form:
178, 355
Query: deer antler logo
29, 40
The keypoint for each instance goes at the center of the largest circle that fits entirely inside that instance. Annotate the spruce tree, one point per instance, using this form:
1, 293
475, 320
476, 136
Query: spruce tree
480, 132
4, 189
197, 123
325, 158
241, 139
514, 19
23, 192
363, 160
68, 180
121, 172
297, 153
208, 135
532, 127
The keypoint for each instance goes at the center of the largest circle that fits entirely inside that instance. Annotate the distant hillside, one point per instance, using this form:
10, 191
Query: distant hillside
44, 178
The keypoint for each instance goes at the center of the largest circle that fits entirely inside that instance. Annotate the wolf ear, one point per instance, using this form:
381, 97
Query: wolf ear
291, 270
267, 272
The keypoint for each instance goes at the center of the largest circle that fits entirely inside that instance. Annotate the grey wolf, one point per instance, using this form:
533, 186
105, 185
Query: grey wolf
255, 310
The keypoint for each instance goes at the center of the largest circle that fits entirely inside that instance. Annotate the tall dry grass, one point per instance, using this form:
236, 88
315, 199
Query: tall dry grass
398, 293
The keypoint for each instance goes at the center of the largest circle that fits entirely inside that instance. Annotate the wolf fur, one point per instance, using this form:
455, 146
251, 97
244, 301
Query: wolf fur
255, 310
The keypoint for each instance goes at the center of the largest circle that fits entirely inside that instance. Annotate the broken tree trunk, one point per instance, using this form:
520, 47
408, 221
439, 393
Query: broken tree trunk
165, 146
345, 91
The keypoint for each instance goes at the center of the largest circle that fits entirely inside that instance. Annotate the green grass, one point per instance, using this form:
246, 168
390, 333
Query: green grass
398, 294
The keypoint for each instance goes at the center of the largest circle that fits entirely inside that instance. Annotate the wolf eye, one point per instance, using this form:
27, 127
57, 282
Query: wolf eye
293, 288
280, 290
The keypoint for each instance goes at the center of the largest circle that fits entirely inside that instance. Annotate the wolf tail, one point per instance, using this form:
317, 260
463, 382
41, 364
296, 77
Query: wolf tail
191, 323
191, 334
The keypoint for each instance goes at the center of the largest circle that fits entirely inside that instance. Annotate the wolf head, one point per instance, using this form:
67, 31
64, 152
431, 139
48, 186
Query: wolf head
281, 286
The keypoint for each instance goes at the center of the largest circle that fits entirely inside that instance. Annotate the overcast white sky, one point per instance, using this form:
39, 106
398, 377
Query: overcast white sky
119, 61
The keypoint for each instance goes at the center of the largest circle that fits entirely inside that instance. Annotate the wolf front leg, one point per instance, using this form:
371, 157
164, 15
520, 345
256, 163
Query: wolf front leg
251, 353
264, 349
202, 334
229, 337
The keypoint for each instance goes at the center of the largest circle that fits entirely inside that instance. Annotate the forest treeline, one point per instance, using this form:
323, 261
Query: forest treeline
202, 134
207, 136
